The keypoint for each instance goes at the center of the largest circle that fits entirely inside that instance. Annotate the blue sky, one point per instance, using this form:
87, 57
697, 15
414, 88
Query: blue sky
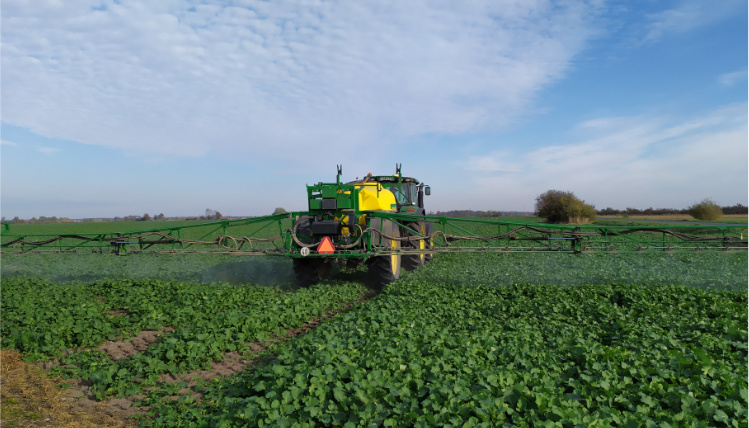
113, 108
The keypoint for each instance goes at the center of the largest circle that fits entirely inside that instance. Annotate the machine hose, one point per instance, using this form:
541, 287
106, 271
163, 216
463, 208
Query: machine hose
293, 233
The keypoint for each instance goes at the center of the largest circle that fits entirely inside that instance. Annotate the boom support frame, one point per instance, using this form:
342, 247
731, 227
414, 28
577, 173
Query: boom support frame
277, 235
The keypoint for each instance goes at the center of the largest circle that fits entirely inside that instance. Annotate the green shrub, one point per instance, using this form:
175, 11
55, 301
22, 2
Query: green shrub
705, 210
557, 206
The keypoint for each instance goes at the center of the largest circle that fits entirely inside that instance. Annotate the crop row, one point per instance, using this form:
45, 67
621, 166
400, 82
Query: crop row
425, 353
44, 319
707, 270
469, 339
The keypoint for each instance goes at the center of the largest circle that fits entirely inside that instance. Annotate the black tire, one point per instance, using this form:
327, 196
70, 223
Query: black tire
415, 261
306, 272
428, 231
384, 269
309, 272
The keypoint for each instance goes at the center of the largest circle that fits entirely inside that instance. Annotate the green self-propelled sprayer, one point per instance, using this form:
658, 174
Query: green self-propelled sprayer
378, 221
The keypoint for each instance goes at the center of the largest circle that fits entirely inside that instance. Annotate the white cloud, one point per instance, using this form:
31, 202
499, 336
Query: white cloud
494, 164
631, 161
7, 143
298, 78
687, 16
48, 150
732, 78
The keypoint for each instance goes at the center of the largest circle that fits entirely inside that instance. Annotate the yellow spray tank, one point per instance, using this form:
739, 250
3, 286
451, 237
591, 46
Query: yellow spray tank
374, 197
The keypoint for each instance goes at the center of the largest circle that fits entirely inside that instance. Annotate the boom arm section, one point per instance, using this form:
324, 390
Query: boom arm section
359, 234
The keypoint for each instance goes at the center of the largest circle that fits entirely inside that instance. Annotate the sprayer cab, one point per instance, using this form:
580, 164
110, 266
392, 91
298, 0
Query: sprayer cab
408, 192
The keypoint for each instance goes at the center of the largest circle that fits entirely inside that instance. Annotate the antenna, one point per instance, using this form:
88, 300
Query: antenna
398, 169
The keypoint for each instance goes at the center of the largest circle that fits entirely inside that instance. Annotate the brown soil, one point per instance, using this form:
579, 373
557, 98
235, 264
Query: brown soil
30, 398
232, 363
132, 346
118, 312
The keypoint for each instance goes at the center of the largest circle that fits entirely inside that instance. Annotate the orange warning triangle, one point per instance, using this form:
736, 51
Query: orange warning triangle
326, 246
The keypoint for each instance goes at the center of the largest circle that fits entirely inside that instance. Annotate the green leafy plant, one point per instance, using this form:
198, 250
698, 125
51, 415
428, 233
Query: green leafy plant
44, 319
473, 339
428, 353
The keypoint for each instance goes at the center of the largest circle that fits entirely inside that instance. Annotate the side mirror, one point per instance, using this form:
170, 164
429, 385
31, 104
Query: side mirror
427, 190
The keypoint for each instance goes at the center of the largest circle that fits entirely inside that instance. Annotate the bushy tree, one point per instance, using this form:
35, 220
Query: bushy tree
558, 206
279, 210
549, 206
705, 210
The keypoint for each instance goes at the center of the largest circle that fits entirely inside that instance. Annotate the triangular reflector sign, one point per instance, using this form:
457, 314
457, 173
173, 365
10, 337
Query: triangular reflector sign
326, 246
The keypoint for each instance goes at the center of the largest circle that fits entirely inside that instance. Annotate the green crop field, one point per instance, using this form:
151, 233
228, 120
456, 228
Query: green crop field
479, 339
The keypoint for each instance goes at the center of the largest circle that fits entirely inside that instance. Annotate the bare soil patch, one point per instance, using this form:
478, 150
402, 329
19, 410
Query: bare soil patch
30, 398
130, 347
234, 362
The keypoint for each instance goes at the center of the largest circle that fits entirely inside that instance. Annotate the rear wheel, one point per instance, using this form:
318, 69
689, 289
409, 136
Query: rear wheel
384, 269
305, 270
308, 272
428, 232
415, 261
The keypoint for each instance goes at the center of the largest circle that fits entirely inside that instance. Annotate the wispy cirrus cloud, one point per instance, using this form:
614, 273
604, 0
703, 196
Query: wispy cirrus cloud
249, 77
732, 78
624, 161
48, 150
687, 16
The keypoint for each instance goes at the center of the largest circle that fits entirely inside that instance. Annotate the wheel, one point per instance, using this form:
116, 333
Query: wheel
305, 272
308, 272
428, 231
384, 269
415, 261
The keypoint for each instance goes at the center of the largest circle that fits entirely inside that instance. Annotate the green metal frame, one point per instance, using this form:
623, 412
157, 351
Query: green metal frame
272, 235
199, 237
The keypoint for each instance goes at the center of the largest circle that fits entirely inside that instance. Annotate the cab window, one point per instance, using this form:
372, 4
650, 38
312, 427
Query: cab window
405, 195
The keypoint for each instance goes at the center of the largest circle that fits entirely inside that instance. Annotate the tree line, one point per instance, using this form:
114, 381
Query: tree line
209, 215
546, 204
734, 209
467, 213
